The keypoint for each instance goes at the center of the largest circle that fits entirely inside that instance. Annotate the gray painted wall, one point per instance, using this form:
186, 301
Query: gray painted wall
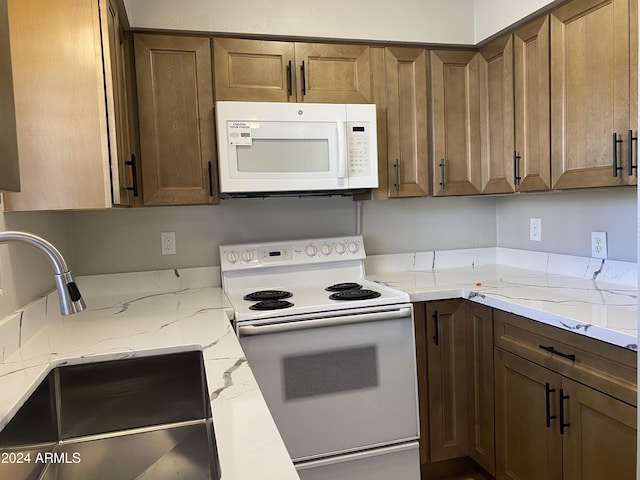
568, 218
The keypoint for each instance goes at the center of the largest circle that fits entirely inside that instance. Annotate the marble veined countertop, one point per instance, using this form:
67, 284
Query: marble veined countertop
592, 297
133, 315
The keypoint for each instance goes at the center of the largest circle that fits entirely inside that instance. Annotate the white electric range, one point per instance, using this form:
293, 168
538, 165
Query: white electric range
333, 354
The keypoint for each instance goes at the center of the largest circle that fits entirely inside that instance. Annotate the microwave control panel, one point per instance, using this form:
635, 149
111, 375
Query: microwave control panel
359, 149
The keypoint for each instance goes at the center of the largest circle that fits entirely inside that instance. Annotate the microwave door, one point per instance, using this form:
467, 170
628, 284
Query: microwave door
288, 156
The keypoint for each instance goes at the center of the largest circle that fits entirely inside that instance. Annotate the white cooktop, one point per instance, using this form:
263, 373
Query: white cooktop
305, 268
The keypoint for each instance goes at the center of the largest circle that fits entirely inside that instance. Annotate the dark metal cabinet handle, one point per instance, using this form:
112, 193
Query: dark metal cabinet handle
134, 174
436, 318
396, 166
551, 349
630, 150
616, 168
289, 80
548, 392
304, 78
442, 173
210, 179
563, 425
516, 161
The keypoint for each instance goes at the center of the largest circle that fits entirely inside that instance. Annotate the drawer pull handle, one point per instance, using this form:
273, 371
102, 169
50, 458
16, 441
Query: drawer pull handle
568, 356
548, 392
563, 397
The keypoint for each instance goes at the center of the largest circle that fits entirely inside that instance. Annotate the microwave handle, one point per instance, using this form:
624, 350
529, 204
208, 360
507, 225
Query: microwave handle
343, 152
248, 330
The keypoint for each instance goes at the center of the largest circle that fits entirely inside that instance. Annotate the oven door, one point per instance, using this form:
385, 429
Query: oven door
339, 384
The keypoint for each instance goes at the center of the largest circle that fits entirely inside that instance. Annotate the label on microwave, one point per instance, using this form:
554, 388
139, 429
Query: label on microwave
239, 133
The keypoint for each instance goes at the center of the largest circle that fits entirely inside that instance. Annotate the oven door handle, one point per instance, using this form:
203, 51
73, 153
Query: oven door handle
296, 325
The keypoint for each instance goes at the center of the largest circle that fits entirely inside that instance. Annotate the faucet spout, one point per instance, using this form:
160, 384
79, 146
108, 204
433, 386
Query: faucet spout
71, 300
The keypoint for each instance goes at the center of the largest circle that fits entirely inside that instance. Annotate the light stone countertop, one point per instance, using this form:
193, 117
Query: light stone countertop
134, 315
150, 313
586, 296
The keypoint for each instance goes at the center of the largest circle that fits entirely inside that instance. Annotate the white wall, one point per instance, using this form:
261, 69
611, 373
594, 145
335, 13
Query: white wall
462, 22
492, 16
409, 20
568, 218
405, 20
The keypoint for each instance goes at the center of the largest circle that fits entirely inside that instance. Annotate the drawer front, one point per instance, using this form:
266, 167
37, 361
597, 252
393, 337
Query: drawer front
600, 365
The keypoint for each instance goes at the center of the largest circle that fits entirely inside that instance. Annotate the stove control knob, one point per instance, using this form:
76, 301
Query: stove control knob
311, 250
341, 248
247, 255
326, 249
354, 247
232, 256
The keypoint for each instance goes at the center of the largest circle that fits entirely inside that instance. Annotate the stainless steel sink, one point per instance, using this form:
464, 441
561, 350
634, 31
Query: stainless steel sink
124, 419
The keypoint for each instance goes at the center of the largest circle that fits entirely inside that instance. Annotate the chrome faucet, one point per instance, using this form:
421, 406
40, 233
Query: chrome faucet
70, 298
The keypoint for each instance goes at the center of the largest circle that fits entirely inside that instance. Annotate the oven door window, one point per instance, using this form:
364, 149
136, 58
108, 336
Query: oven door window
338, 388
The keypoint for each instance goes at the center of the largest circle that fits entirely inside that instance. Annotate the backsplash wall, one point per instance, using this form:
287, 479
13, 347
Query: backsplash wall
568, 218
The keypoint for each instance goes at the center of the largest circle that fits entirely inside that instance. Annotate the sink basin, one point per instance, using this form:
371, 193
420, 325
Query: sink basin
138, 418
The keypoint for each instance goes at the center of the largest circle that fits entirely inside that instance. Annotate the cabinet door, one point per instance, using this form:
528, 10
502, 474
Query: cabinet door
119, 144
447, 379
60, 110
254, 70
9, 165
590, 92
407, 135
455, 122
600, 439
333, 73
496, 116
480, 385
175, 104
526, 448
532, 99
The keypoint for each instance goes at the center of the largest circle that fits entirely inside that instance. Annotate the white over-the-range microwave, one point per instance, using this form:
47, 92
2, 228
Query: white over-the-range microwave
295, 148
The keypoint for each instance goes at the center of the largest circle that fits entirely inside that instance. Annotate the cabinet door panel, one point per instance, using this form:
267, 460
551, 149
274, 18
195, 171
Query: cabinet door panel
175, 101
496, 114
600, 441
589, 91
407, 143
532, 105
447, 379
526, 449
455, 110
254, 70
480, 387
60, 108
333, 73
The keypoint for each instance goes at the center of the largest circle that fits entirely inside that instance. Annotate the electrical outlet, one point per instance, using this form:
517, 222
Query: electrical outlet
535, 229
599, 244
168, 243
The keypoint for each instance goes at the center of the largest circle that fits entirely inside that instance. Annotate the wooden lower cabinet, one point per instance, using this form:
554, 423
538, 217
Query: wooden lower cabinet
551, 427
454, 344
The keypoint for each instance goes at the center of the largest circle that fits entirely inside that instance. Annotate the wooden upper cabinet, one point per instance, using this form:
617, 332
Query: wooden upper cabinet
271, 71
175, 106
532, 106
407, 127
333, 73
253, 70
455, 122
497, 116
122, 161
514, 93
591, 92
61, 112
